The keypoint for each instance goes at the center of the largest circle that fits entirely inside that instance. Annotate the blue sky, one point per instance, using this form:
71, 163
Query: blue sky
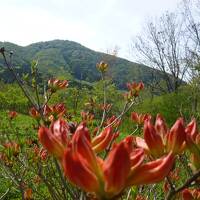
97, 24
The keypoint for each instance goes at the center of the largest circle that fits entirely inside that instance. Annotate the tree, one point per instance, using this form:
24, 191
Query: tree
191, 12
162, 47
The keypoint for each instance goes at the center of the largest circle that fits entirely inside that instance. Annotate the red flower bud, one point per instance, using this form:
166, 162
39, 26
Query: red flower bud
55, 84
79, 172
34, 113
186, 195
116, 168
134, 88
87, 117
80, 163
176, 137
191, 136
55, 139
12, 114
100, 142
28, 194
152, 172
161, 127
102, 66
153, 140
140, 118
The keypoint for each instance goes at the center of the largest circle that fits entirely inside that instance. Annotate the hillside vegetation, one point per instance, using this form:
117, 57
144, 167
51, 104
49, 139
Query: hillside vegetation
70, 60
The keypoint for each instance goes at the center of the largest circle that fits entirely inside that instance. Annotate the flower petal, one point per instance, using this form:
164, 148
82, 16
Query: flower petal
82, 146
160, 126
176, 137
60, 129
116, 168
153, 140
137, 157
140, 142
101, 141
50, 142
78, 172
186, 195
152, 172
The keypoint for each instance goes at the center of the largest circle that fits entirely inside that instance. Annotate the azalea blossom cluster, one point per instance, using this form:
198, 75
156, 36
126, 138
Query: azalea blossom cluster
134, 90
104, 167
98, 159
79, 157
50, 113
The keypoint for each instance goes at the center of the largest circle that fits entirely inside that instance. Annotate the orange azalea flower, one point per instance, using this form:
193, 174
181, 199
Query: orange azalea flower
50, 112
135, 86
153, 140
54, 112
58, 136
101, 141
28, 194
193, 143
13, 147
191, 194
55, 84
134, 89
111, 120
87, 117
55, 139
105, 178
176, 137
58, 109
158, 140
106, 107
34, 113
12, 114
140, 118
122, 167
102, 66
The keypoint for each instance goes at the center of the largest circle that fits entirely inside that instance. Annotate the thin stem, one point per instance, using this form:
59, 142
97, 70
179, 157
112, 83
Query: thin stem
170, 183
185, 185
183, 160
124, 111
104, 105
129, 194
36, 84
63, 181
49, 186
2, 196
16, 179
137, 127
26, 93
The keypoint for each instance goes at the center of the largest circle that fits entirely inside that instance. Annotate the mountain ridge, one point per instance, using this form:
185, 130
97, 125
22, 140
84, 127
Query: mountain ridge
64, 57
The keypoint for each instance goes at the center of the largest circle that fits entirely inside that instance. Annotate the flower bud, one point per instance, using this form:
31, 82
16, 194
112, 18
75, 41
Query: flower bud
102, 66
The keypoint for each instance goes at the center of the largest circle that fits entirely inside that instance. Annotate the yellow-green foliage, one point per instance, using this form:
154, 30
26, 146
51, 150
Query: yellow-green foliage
12, 98
171, 106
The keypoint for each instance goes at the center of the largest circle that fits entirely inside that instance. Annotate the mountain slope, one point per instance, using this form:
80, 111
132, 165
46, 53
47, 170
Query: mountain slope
72, 60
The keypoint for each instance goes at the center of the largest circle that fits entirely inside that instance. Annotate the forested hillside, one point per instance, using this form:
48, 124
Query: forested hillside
71, 60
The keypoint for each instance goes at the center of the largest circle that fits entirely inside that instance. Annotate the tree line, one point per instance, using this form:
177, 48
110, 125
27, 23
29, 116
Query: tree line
171, 43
